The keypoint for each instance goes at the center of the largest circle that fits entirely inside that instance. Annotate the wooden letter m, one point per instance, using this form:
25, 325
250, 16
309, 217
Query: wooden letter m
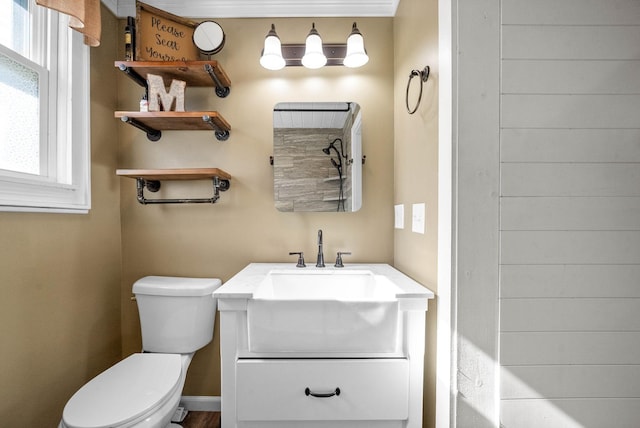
157, 92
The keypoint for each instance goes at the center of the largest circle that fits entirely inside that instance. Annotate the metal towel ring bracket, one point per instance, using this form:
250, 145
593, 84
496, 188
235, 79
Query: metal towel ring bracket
424, 76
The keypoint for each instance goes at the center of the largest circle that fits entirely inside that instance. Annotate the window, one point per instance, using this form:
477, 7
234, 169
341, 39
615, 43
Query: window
44, 136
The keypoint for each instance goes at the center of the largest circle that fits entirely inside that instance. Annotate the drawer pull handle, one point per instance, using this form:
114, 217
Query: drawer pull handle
308, 392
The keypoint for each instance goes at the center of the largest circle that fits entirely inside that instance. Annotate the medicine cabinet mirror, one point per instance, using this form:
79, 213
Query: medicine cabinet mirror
317, 156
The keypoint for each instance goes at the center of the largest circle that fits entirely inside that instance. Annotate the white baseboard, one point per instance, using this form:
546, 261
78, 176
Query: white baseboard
201, 403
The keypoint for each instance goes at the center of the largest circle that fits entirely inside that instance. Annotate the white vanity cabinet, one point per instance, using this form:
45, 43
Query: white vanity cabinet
321, 389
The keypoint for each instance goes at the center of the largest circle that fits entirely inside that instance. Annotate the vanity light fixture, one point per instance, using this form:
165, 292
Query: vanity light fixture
313, 53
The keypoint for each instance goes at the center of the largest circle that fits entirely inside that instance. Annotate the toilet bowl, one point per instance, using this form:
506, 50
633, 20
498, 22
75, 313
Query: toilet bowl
177, 317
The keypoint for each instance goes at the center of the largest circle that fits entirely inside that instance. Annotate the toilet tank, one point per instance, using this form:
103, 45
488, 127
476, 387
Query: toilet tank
177, 315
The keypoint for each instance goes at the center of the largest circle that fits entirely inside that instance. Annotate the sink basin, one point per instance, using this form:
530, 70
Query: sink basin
323, 311
325, 285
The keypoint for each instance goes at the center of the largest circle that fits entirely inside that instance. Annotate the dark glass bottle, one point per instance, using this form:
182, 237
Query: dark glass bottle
129, 39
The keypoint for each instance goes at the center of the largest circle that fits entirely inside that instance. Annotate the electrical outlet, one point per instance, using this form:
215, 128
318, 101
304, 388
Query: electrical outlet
418, 220
399, 218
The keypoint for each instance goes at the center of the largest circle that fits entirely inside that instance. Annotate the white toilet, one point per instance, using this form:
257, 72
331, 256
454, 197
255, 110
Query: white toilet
177, 317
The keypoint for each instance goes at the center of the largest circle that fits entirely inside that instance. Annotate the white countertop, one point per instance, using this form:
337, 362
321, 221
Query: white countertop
243, 284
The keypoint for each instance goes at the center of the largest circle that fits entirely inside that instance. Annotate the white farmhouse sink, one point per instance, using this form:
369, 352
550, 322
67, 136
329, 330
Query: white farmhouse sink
360, 285
323, 311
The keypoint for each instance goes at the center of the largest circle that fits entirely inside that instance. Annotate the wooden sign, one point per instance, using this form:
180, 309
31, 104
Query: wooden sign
161, 36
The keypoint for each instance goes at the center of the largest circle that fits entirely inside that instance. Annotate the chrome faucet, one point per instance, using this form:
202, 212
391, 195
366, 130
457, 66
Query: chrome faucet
339, 263
320, 262
300, 254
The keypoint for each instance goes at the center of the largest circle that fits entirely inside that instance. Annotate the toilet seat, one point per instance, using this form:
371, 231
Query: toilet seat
125, 392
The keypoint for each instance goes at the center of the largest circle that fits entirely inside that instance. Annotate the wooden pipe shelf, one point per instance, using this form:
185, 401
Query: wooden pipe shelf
195, 73
154, 122
151, 179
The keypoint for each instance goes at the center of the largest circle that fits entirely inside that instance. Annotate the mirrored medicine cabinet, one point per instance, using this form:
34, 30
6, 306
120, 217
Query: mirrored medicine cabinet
317, 156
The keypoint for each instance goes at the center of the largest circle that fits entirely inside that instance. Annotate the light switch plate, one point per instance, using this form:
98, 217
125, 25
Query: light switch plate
399, 218
417, 223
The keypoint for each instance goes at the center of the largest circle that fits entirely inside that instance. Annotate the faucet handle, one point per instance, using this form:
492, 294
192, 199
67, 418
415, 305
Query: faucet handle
339, 263
300, 258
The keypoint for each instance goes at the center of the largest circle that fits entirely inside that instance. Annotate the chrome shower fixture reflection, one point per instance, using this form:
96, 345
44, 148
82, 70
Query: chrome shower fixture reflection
340, 153
338, 166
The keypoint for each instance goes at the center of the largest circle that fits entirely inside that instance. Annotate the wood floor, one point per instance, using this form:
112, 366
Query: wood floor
202, 420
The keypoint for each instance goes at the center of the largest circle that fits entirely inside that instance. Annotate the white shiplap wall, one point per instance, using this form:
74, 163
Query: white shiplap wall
570, 214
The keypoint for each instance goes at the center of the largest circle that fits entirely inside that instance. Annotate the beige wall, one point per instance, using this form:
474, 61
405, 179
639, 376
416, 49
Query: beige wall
244, 226
60, 276
416, 161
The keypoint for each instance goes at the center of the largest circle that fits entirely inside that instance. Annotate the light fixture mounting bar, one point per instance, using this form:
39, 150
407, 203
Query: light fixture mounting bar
293, 53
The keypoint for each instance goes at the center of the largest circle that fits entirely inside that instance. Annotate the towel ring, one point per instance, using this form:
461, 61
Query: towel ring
424, 76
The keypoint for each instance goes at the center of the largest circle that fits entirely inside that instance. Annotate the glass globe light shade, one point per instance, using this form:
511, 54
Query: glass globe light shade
356, 54
271, 58
313, 55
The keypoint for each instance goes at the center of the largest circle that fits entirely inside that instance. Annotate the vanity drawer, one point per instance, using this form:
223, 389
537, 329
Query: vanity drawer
360, 389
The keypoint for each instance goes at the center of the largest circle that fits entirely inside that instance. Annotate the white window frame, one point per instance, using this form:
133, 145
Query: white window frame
64, 185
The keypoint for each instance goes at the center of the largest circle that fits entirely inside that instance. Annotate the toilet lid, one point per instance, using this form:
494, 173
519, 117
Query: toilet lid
124, 392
